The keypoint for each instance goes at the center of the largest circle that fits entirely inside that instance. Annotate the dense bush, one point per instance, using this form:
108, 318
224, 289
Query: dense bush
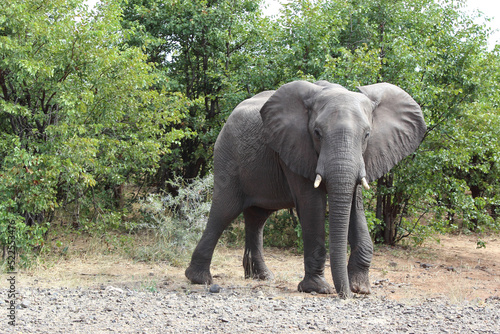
78, 119
176, 223
283, 230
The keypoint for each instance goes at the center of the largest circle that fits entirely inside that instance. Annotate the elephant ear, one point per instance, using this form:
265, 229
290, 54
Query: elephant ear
397, 128
285, 120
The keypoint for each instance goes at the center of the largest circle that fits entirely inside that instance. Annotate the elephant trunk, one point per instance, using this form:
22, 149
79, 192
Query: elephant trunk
341, 182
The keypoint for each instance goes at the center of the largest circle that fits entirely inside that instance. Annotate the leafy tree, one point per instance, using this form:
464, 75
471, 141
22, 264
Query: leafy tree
297, 44
199, 46
467, 192
77, 117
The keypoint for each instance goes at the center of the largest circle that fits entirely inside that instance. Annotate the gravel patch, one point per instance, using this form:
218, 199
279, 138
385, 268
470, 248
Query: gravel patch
122, 310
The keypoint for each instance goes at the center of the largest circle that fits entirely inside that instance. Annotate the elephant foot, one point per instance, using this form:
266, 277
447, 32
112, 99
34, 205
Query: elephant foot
198, 276
265, 275
359, 281
262, 274
256, 268
315, 283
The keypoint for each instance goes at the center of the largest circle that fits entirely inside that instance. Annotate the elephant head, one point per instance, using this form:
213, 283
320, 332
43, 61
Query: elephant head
340, 139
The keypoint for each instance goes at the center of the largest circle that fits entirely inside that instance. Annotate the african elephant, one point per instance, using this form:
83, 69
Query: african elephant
290, 148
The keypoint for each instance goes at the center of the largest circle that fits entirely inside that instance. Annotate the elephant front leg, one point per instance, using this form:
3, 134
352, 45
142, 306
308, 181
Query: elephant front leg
312, 219
314, 265
253, 259
198, 271
361, 247
220, 216
310, 204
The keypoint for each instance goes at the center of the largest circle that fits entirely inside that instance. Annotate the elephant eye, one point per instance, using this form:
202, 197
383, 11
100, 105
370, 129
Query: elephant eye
367, 135
317, 133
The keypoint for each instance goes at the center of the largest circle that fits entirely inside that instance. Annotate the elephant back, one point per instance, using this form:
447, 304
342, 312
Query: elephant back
241, 138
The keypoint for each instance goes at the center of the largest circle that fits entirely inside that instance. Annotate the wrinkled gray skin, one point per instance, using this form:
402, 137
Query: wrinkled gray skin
267, 157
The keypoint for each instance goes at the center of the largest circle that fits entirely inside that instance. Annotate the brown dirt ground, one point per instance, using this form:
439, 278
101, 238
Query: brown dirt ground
453, 268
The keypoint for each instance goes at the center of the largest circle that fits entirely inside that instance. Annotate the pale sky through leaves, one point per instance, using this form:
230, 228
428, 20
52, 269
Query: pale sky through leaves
491, 8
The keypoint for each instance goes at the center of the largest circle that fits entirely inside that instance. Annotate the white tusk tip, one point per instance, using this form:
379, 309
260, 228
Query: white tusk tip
365, 184
317, 182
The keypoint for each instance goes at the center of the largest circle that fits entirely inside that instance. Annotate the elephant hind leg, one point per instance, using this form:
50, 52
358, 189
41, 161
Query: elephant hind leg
253, 259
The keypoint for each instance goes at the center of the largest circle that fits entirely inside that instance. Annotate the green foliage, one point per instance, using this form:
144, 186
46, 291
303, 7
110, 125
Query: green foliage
283, 230
353, 68
200, 45
77, 117
297, 44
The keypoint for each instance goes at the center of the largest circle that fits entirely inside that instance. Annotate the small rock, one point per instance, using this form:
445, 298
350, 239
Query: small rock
381, 281
113, 289
215, 288
426, 265
25, 303
80, 319
492, 299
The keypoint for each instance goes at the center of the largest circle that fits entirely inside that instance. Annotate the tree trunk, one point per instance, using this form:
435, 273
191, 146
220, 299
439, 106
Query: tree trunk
388, 208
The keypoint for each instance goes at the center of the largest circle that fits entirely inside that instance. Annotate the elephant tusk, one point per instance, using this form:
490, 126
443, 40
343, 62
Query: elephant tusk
317, 182
365, 183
